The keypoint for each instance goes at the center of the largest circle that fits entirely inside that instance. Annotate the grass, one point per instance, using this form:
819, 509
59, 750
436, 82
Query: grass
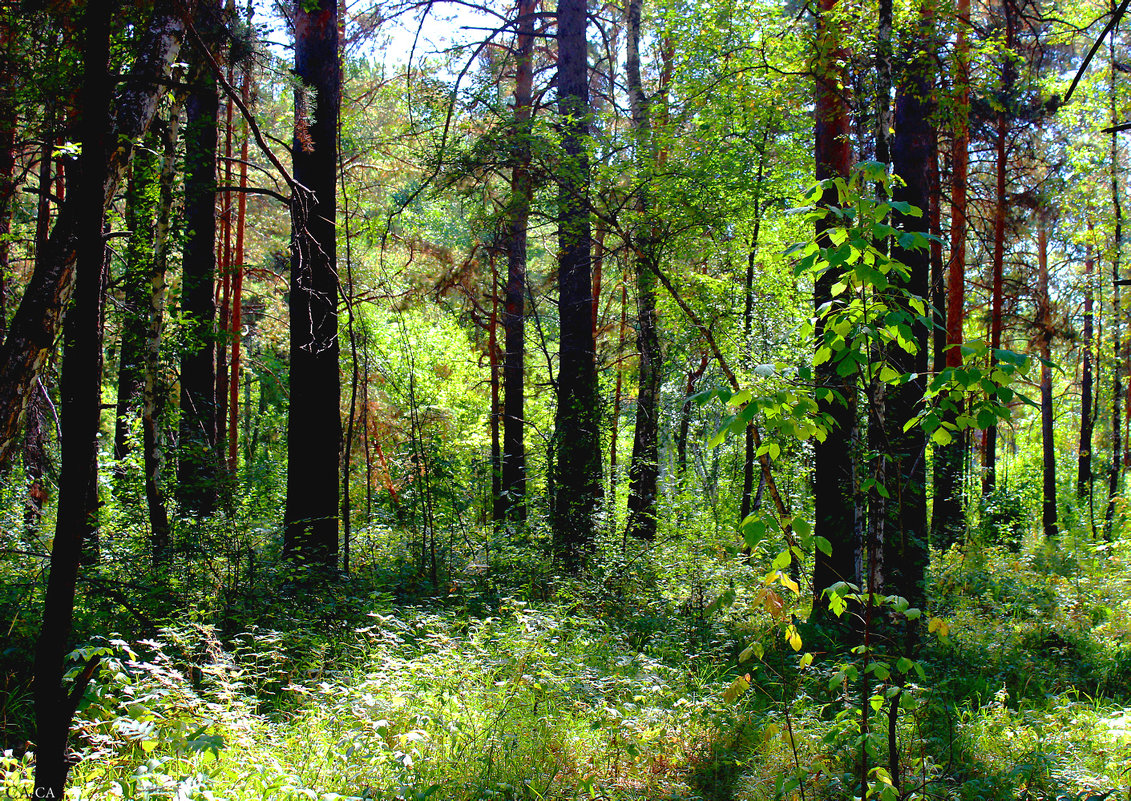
609, 692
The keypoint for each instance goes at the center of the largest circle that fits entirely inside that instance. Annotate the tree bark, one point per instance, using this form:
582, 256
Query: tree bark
154, 391
833, 492
197, 465
314, 429
1045, 332
1084, 463
39, 317
1116, 319
514, 308
498, 508
81, 383
644, 468
577, 446
142, 197
8, 124
224, 311
989, 479
913, 147
34, 449
237, 290
948, 519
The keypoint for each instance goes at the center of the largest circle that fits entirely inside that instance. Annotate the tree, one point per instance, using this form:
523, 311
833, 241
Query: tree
913, 152
142, 198
314, 430
577, 446
948, 518
1087, 423
1044, 339
55, 703
644, 469
197, 464
153, 387
513, 459
1001, 134
833, 486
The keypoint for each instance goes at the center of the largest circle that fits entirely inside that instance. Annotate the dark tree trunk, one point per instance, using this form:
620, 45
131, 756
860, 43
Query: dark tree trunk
35, 440
314, 427
577, 444
948, 519
913, 147
224, 312
989, 479
154, 392
1116, 326
833, 492
1084, 467
617, 394
644, 469
197, 467
81, 381
693, 377
8, 123
514, 309
39, 317
237, 291
142, 197
750, 461
498, 506
1045, 331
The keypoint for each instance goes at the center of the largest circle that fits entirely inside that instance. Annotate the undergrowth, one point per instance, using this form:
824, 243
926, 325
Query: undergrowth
625, 686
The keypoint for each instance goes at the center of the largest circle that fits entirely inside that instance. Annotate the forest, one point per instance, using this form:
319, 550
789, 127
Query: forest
686, 400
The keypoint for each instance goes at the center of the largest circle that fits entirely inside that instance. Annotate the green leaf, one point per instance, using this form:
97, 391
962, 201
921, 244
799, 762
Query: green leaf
753, 531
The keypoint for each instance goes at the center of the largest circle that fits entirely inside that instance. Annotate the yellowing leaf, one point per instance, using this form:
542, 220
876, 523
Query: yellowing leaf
737, 687
792, 637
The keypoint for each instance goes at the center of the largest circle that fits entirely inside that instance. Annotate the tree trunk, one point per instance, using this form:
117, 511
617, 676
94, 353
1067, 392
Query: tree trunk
693, 377
577, 444
197, 467
750, 461
314, 429
154, 393
37, 321
35, 440
644, 469
617, 393
913, 147
833, 493
989, 479
498, 507
1084, 466
514, 308
142, 196
1116, 322
81, 383
948, 519
1045, 331
237, 290
8, 123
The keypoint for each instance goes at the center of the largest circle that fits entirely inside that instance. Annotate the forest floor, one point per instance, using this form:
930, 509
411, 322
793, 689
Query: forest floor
599, 694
